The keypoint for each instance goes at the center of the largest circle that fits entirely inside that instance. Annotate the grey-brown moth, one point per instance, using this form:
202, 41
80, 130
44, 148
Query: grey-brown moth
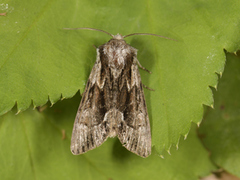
113, 102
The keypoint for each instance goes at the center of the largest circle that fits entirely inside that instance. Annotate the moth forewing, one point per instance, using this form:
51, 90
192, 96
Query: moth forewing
113, 102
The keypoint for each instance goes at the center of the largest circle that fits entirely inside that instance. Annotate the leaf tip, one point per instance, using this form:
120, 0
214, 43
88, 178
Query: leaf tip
177, 145
185, 136
198, 124
161, 156
212, 106
220, 74
18, 112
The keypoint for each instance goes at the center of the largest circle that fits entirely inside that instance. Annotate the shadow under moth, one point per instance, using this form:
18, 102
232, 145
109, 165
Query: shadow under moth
113, 102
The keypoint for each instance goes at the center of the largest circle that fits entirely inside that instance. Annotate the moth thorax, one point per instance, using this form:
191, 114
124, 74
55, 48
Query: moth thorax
117, 61
117, 51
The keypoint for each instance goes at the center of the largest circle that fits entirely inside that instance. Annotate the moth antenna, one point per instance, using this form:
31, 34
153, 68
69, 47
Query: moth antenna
149, 34
89, 29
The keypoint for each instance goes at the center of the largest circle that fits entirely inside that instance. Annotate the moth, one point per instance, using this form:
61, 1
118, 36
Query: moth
113, 102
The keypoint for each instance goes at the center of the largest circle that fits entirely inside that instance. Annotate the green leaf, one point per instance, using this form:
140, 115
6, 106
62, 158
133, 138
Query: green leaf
40, 61
32, 148
221, 126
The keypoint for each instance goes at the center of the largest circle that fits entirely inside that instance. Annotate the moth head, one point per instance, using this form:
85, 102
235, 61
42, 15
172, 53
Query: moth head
119, 36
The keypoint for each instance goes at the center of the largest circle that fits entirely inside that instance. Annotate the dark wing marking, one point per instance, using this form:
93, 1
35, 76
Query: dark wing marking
89, 129
134, 130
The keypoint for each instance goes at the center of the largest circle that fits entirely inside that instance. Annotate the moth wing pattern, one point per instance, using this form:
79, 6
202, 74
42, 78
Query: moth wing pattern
89, 130
134, 132
113, 103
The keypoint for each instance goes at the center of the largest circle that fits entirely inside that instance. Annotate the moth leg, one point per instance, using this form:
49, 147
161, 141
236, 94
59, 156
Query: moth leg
143, 67
148, 88
148, 72
94, 46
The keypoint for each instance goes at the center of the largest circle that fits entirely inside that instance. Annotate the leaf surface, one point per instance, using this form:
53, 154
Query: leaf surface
32, 147
221, 125
40, 61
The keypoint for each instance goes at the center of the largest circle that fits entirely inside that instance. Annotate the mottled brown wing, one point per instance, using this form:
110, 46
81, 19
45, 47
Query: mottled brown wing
99, 116
89, 129
134, 131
